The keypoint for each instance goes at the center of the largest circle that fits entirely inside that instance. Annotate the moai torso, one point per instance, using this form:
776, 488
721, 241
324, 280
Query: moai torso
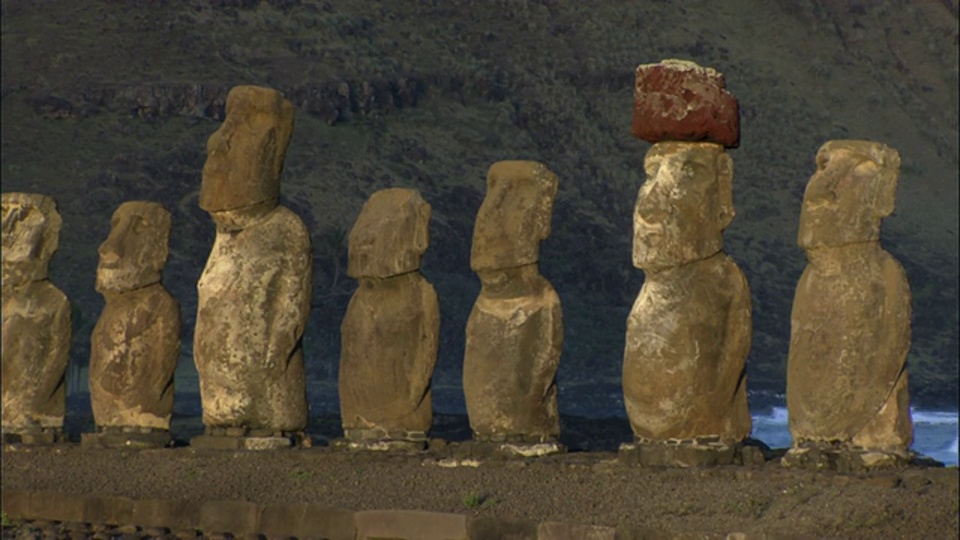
687, 339
254, 293
850, 325
135, 344
688, 334
253, 301
390, 333
36, 319
515, 330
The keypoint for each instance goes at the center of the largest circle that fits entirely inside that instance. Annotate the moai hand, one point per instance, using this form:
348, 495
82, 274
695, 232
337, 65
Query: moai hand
515, 330
36, 322
135, 345
254, 293
390, 333
688, 334
850, 326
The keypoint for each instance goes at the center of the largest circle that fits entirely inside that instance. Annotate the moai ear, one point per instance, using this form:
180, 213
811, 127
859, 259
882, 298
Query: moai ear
884, 192
725, 189
421, 238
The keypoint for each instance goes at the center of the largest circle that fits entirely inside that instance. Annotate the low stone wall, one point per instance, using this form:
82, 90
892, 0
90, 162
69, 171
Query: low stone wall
53, 514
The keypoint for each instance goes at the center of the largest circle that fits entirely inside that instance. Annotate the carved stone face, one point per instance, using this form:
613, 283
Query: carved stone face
31, 234
134, 253
245, 156
515, 215
390, 235
853, 189
683, 206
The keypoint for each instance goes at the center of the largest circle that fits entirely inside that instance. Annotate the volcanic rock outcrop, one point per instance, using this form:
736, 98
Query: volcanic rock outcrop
36, 322
135, 344
688, 333
515, 330
254, 293
390, 333
847, 395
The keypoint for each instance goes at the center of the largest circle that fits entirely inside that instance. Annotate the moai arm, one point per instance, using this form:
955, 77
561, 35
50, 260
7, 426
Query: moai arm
421, 371
736, 349
58, 353
548, 357
291, 289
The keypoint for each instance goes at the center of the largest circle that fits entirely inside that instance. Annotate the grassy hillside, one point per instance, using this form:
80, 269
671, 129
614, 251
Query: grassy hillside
104, 102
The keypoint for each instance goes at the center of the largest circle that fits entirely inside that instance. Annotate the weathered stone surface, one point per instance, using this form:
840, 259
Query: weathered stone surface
552, 530
515, 330
688, 333
135, 344
850, 325
245, 156
306, 521
678, 100
409, 525
390, 236
390, 333
36, 318
235, 517
254, 293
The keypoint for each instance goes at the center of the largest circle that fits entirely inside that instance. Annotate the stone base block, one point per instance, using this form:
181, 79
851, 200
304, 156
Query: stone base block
38, 437
531, 449
251, 441
125, 439
841, 458
381, 445
685, 453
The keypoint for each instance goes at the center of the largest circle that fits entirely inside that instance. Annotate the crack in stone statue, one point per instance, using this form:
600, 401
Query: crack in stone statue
847, 396
36, 322
254, 293
515, 330
390, 332
135, 344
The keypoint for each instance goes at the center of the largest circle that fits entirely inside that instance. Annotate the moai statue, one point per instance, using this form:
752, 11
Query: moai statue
135, 345
254, 293
36, 323
390, 333
688, 333
847, 395
515, 330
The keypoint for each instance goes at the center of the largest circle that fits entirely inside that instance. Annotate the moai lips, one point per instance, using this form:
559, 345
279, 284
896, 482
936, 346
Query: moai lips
678, 100
135, 344
390, 333
850, 325
254, 293
36, 322
515, 330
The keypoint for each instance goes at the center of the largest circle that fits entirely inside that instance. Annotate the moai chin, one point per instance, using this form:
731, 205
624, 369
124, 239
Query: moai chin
36, 322
688, 333
515, 330
135, 344
254, 293
390, 333
850, 326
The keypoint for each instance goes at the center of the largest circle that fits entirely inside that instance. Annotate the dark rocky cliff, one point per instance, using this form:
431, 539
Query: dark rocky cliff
104, 102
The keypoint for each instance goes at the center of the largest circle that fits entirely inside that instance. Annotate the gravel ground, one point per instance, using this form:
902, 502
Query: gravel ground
577, 487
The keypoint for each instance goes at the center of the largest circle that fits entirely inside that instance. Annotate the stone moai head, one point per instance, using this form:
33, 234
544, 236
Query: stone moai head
245, 156
134, 253
683, 206
514, 217
854, 188
390, 235
31, 234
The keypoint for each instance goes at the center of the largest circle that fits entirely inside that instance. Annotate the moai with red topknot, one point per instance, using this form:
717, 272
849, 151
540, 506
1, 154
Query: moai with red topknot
688, 334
